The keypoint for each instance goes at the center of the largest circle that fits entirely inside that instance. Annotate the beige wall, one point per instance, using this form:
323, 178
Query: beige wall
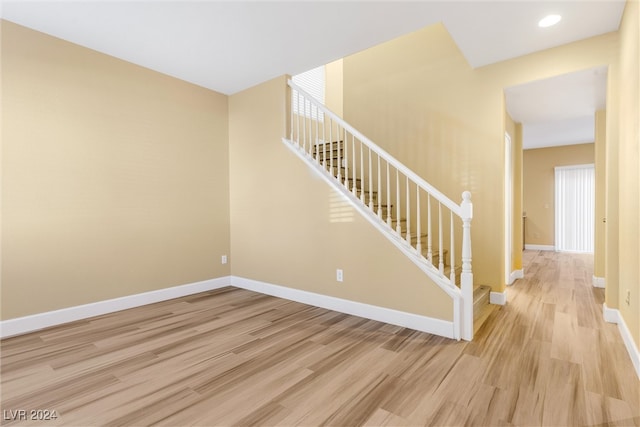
289, 228
114, 177
628, 123
445, 120
539, 190
333, 96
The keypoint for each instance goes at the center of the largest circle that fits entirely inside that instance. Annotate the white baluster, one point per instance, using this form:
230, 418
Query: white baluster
346, 158
339, 159
370, 182
304, 127
354, 189
298, 120
452, 255
429, 243
418, 220
317, 145
379, 189
362, 194
440, 243
293, 92
324, 145
398, 227
466, 278
408, 236
331, 146
388, 191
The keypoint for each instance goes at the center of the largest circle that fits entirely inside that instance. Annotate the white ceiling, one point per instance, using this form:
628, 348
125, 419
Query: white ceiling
228, 46
559, 110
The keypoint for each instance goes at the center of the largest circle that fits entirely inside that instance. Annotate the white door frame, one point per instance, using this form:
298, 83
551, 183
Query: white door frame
508, 207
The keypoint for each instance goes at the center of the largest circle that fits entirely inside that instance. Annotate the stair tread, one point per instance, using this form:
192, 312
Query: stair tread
435, 251
327, 143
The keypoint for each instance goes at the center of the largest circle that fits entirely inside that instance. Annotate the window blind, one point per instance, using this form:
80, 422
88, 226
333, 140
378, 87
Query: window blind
313, 82
575, 208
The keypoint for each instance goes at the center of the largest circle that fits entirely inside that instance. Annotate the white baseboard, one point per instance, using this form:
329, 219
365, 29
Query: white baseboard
22, 325
613, 315
408, 320
610, 315
540, 247
515, 274
598, 282
498, 298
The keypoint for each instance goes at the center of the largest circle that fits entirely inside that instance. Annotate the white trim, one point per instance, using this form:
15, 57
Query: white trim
585, 166
508, 207
540, 247
22, 325
515, 274
613, 315
498, 298
598, 282
610, 315
387, 315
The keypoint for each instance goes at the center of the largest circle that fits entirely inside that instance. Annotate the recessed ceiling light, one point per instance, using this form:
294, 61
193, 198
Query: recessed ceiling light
549, 20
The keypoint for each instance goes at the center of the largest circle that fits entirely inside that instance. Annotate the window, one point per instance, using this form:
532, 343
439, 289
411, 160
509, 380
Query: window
575, 208
313, 82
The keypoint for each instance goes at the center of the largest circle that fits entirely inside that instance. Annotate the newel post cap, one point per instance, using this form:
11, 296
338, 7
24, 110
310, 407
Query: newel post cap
466, 206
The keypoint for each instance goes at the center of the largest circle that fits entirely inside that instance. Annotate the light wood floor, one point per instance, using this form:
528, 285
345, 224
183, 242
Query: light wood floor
233, 357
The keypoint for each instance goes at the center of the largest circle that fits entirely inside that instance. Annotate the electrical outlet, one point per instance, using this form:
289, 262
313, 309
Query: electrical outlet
628, 298
224, 259
339, 276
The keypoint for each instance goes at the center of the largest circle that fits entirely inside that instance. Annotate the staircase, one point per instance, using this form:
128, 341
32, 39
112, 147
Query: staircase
430, 229
328, 154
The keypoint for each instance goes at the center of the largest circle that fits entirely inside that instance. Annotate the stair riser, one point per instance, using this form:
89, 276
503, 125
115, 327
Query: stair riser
435, 258
327, 146
349, 183
367, 197
480, 300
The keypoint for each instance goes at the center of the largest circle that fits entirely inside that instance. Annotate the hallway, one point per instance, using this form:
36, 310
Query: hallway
565, 364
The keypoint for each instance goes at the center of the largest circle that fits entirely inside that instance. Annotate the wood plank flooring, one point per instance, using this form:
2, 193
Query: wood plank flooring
234, 357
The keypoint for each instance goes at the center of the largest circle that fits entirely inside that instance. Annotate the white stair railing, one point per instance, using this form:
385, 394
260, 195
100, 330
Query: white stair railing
371, 179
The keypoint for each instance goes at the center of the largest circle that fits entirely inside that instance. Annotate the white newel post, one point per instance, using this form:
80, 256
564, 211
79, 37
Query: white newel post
466, 278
